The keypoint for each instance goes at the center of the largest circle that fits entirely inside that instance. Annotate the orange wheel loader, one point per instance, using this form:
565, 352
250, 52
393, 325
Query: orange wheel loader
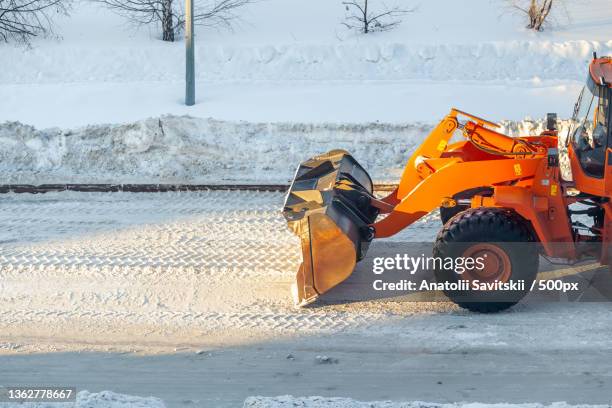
500, 197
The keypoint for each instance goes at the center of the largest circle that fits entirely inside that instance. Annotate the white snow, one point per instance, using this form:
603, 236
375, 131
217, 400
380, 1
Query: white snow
181, 149
80, 104
158, 61
292, 60
288, 401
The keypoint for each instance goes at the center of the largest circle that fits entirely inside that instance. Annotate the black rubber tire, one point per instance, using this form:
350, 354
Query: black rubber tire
447, 213
488, 225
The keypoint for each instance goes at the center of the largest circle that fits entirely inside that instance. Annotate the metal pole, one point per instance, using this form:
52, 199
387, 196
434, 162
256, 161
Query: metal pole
189, 60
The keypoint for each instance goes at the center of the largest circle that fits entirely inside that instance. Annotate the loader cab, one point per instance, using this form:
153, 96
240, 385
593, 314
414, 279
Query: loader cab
590, 129
590, 132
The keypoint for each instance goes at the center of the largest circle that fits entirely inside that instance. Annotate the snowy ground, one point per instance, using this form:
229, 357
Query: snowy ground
395, 102
151, 259
277, 66
108, 399
321, 402
185, 296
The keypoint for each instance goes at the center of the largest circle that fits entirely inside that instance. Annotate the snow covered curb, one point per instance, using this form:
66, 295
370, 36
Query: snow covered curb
288, 401
183, 149
103, 399
517, 60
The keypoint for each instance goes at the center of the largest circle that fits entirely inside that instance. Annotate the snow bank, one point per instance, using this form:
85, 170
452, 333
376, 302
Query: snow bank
158, 61
182, 149
103, 399
305, 40
323, 402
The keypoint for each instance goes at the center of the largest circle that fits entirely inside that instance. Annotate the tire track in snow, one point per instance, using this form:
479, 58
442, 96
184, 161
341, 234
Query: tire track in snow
262, 321
212, 261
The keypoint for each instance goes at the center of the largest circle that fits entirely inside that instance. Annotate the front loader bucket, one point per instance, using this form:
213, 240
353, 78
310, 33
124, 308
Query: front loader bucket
328, 207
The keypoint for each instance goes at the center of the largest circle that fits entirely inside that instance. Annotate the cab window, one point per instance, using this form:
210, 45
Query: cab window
589, 130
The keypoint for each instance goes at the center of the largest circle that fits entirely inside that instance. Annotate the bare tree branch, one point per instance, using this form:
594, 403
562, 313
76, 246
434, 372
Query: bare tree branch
360, 17
20, 20
170, 16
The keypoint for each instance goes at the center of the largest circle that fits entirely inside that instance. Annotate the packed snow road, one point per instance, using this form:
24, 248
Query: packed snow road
185, 296
208, 261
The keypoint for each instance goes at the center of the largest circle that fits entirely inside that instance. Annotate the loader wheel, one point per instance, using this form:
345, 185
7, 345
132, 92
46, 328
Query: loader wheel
507, 252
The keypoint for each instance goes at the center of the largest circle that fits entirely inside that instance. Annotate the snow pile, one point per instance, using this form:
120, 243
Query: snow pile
305, 40
323, 402
174, 149
103, 399
182, 149
485, 61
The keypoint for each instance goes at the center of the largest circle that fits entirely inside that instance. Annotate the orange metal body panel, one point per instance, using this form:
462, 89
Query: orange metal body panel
544, 205
516, 169
455, 176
